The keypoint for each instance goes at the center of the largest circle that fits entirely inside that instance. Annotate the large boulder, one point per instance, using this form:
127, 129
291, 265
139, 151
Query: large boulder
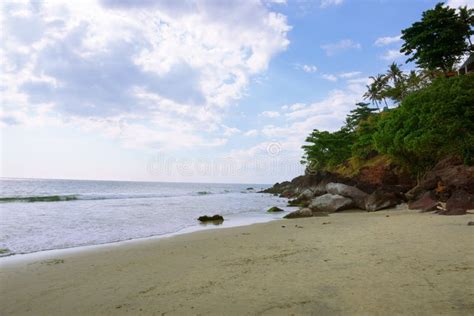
426, 203
459, 202
304, 212
331, 203
449, 175
307, 194
381, 199
358, 196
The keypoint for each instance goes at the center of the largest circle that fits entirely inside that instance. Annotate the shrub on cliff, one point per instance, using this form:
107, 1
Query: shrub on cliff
430, 124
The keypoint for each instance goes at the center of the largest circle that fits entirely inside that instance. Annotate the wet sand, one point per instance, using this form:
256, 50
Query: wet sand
383, 263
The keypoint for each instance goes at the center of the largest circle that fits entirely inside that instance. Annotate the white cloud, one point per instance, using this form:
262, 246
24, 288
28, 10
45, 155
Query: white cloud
460, 3
328, 3
144, 72
270, 114
391, 55
329, 77
229, 131
297, 106
347, 75
310, 68
306, 68
281, 150
384, 41
345, 44
343, 75
250, 133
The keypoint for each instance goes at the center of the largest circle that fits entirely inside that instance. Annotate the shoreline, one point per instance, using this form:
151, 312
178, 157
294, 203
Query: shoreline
387, 262
234, 222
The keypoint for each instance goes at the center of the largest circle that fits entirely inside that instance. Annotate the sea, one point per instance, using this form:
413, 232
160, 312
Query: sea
40, 214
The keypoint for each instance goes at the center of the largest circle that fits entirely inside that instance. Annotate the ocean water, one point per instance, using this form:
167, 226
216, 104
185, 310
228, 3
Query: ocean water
37, 215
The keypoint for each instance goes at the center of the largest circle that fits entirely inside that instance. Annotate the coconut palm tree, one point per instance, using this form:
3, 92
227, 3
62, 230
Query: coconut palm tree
377, 90
394, 73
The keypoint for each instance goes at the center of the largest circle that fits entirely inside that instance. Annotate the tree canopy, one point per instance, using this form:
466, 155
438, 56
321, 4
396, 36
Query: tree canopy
440, 39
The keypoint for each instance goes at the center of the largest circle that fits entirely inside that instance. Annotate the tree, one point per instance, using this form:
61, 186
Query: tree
376, 91
358, 115
440, 39
326, 150
394, 73
430, 124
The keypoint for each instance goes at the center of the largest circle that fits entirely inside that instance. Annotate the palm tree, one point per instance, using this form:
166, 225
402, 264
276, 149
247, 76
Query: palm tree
394, 73
377, 90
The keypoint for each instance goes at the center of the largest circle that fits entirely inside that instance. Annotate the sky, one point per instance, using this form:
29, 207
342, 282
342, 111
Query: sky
188, 91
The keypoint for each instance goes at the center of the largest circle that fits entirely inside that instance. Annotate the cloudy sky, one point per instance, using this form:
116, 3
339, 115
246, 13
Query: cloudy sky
208, 91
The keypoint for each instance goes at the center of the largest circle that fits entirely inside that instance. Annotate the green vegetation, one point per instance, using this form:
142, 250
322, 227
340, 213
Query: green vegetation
433, 115
440, 39
430, 124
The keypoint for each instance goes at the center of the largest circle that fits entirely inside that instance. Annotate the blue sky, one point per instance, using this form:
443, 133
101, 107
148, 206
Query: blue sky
195, 91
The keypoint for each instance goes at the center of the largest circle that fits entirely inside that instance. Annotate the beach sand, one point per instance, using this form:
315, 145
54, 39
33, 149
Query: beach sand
383, 263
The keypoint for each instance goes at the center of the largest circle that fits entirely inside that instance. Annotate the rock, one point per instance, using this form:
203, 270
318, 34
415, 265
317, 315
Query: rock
380, 200
304, 212
298, 202
459, 202
330, 203
249, 189
286, 194
358, 196
307, 194
454, 212
274, 210
470, 224
448, 176
427, 203
215, 218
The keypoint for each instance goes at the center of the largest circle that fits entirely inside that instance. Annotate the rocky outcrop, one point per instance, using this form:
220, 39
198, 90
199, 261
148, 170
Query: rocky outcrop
358, 196
381, 199
426, 203
382, 184
331, 203
459, 203
305, 212
448, 176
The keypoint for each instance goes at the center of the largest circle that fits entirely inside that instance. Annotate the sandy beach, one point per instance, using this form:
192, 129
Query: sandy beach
383, 263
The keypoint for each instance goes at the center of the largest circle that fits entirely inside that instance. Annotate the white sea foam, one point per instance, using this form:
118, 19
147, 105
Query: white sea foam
110, 211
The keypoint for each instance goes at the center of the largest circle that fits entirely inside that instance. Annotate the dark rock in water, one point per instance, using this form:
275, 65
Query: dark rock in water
380, 200
330, 203
250, 189
426, 203
215, 218
358, 196
459, 202
274, 210
470, 223
304, 212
